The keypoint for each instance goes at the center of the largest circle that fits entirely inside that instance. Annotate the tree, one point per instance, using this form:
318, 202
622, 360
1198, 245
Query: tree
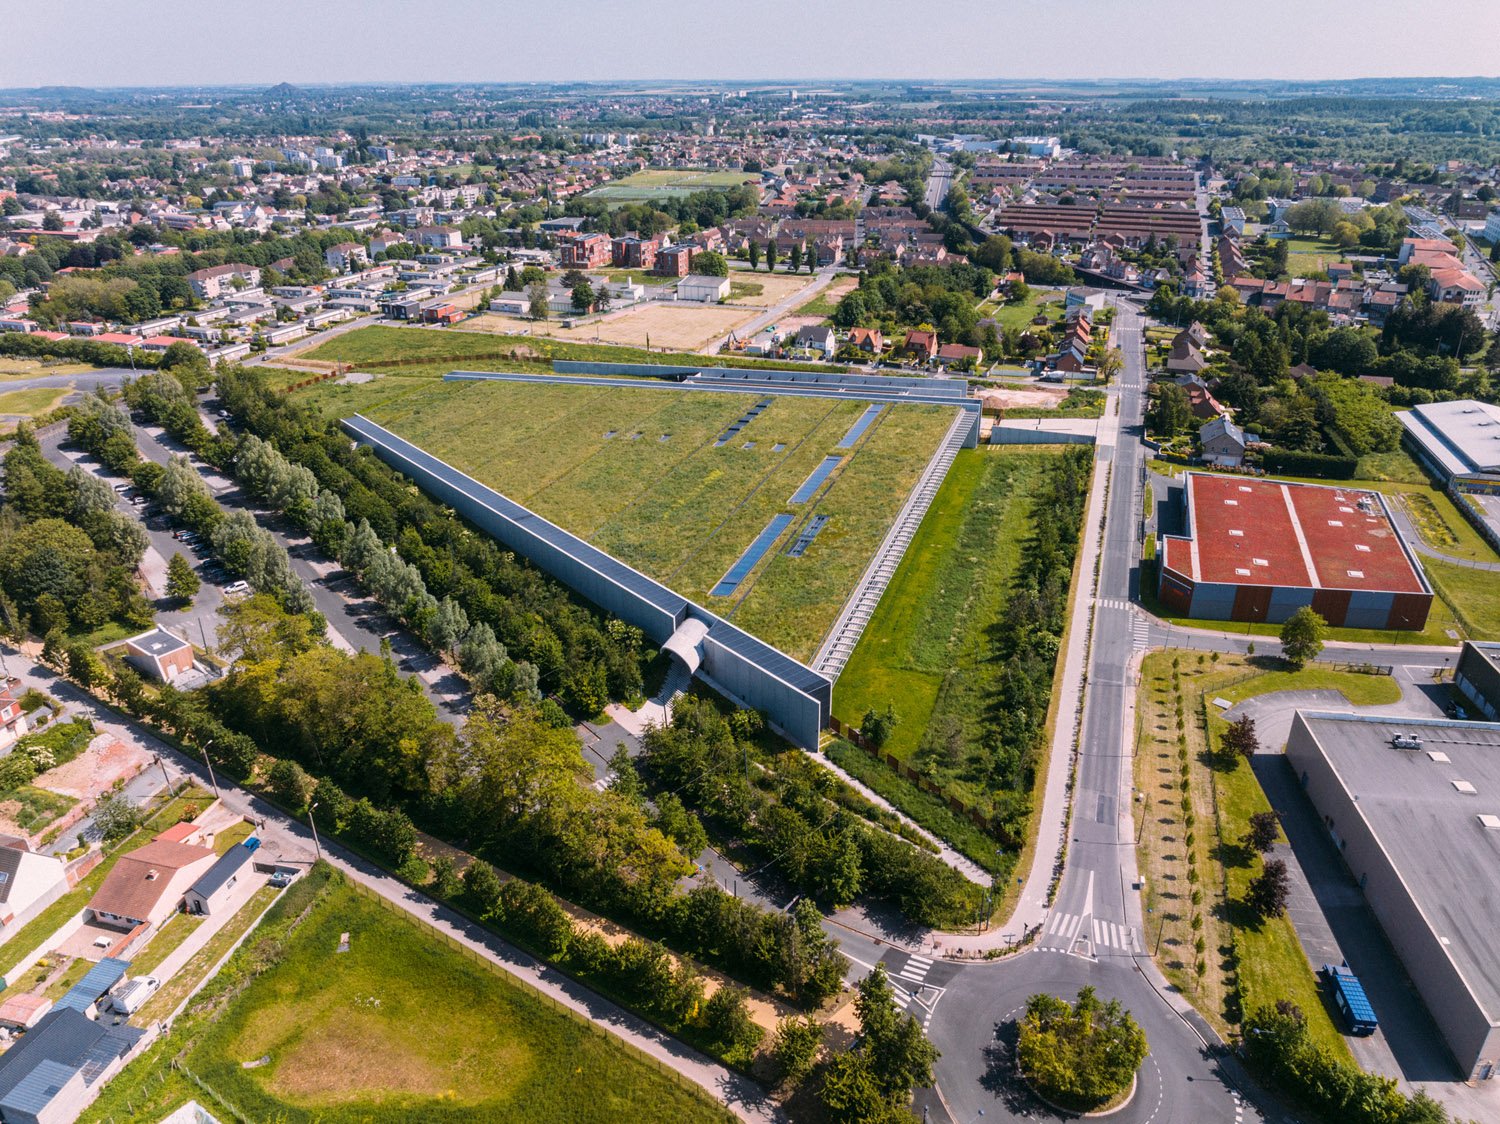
727, 1020
1264, 830
899, 1054
182, 582
1268, 891
1079, 1055
536, 295
116, 817
1111, 363
771, 255
795, 1047
583, 297
1240, 739
877, 726
710, 263
754, 251
794, 257
1171, 413
1302, 637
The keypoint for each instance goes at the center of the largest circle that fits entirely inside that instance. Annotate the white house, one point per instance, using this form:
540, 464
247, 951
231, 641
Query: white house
700, 287
29, 882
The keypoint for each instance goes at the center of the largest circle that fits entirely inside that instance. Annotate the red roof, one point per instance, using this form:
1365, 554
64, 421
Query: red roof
1270, 533
121, 338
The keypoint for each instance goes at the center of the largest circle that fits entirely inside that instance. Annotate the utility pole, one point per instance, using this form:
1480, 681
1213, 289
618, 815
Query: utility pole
164, 776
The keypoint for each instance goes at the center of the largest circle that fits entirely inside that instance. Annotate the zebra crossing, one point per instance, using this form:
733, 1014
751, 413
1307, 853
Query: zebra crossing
1114, 603
1140, 634
1065, 930
914, 993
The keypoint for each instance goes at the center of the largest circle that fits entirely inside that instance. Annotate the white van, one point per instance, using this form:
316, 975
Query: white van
131, 996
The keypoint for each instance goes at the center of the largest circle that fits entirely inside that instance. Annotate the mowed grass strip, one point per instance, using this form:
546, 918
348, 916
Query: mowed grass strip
404, 1027
952, 584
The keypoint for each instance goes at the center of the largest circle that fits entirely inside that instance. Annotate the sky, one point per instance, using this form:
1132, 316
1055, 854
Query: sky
210, 42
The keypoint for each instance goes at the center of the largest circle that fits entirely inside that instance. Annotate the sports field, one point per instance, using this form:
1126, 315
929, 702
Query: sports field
653, 477
403, 1027
661, 183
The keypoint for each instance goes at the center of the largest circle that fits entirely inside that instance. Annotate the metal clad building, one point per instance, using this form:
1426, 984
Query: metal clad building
1259, 550
795, 699
1419, 828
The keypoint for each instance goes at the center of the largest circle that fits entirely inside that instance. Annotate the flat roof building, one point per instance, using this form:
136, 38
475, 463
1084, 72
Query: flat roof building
1259, 550
1419, 826
1458, 442
1477, 677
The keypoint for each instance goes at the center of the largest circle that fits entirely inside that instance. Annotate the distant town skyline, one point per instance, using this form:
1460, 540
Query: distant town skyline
113, 43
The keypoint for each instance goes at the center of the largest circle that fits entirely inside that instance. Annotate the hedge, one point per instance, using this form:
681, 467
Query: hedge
1290, 462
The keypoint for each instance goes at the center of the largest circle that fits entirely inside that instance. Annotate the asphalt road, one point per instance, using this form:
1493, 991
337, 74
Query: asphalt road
939, 180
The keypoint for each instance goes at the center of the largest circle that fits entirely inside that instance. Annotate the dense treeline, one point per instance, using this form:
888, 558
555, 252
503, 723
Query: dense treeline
787, 813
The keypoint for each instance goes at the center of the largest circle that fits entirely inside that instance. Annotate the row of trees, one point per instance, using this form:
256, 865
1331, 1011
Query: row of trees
786, 809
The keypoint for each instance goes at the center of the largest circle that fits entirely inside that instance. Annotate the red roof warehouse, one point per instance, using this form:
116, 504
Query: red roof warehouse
1259, 550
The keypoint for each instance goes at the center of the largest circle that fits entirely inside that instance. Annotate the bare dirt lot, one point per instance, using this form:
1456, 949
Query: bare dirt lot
678, 327
1018, 397
775, 287
92, 772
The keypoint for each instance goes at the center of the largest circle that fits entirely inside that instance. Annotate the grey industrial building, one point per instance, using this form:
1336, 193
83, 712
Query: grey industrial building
1458, 442
1414, 807
1477, 677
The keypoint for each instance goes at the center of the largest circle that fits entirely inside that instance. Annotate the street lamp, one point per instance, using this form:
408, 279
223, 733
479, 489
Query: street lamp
317, 849
158, 759
217, 794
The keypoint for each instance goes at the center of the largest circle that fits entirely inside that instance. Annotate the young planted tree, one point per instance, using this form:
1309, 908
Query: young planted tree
1302, 637
182, 582
536, 296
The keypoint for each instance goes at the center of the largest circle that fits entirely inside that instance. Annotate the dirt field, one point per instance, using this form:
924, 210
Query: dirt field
1041, 398
684, 327
90, 774
775, 287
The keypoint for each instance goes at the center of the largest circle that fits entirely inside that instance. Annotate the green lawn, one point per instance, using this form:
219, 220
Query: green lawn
1474, 595
178, 928
671, 503
1311, 255
32, 808
32, 401
429, 354
662, 183
404, 1027
925, 650
1019, 314
739, 289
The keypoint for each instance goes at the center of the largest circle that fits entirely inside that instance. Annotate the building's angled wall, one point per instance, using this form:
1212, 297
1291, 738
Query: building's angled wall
795, 700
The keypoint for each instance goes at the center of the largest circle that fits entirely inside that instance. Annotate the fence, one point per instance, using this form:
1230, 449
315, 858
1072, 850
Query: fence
549, 1001
907, 773
324, 377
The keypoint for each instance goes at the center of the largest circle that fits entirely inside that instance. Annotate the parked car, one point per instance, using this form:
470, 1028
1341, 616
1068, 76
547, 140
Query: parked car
131, 996
237, 589
283, 878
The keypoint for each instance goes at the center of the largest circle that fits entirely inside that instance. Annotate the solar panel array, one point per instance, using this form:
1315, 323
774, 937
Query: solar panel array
806, 536
815, 480
745, 419
857, 430
753, 553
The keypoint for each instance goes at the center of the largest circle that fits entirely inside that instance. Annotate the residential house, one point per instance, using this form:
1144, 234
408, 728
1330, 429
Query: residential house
675, 261
816, 337
29, 882
213, 890
1223, 443
12, 717
1185, 357
585, 251
345, 257
146, 885
438, 237
1456, 286
57, 1068
213, 282
385, 239
870, 340
958, 355
1070, 360
921, 345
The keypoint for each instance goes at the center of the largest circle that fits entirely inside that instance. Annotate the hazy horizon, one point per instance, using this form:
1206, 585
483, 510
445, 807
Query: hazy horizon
121, 44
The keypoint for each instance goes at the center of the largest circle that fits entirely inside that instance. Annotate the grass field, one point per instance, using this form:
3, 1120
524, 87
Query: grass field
402, 1027
925, 650
1311, 255
662, 183
827, 301
1020, 314
1190, 854
14, 367
32, 402
668, 501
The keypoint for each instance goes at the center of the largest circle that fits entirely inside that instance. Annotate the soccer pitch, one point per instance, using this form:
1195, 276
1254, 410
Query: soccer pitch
683, 485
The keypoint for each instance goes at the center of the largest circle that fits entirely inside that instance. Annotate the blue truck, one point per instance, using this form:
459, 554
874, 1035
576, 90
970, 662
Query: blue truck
1350, 998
